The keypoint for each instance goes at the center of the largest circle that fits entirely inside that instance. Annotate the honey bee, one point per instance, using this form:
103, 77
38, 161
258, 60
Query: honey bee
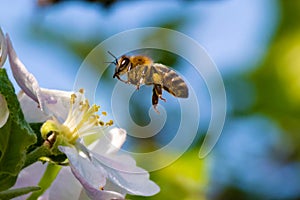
141, 70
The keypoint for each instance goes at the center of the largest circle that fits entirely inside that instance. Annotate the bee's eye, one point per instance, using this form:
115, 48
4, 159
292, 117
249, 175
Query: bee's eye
124, 64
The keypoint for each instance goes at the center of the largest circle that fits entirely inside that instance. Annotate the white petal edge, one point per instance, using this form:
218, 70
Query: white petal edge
25, 80
4, 112
3, 48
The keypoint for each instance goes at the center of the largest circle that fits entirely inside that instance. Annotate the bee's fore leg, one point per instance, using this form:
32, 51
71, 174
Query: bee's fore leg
127, 82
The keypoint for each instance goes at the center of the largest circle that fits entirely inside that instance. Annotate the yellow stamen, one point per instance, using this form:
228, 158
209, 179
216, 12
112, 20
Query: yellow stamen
109, 123
81, 120
73, 98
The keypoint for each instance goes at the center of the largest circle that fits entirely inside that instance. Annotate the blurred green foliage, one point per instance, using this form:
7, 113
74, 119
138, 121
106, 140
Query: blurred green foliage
187, 178
277, 80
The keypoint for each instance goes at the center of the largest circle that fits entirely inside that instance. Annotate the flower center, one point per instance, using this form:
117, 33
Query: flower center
82, 120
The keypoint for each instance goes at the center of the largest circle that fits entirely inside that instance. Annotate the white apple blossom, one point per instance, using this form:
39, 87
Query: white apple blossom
105, 174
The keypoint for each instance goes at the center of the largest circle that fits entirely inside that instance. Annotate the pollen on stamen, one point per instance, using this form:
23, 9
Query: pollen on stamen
101, 123
73, 98
95, 108
104, 113
81, 90
109, 123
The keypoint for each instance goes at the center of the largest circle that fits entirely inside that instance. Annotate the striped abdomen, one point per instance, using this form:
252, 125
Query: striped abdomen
169, 80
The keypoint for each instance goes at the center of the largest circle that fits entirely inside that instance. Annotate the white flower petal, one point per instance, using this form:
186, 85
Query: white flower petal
25, 80
101, 194
117, 137
120, 163
31, 110
29, 176
3, 48
123, 172
91, 177
110, 142
65, 186
80, 161
55, 102
4, 112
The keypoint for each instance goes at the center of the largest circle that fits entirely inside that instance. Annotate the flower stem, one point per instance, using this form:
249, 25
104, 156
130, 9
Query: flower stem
49, 176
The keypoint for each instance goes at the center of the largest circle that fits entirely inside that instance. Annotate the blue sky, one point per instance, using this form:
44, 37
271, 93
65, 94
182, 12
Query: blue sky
234, 33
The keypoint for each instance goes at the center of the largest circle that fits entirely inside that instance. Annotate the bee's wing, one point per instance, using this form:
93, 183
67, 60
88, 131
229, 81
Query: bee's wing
171, 81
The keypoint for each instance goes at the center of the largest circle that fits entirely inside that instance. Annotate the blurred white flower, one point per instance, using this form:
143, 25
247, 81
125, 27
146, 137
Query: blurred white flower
4, 112
3, 48
104, 174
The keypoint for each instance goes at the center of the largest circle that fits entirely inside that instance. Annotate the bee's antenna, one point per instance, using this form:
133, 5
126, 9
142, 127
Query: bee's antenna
110, 62
116, 59
112, 55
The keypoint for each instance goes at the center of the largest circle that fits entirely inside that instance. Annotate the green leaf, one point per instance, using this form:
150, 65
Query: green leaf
7, 180
15, 136
9, 194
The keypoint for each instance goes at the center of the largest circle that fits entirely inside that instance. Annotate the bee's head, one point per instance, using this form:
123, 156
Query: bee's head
122, 65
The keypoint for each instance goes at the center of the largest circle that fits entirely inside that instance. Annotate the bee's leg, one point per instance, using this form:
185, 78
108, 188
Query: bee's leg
158, 90
127, 82
140, 82
154, 99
